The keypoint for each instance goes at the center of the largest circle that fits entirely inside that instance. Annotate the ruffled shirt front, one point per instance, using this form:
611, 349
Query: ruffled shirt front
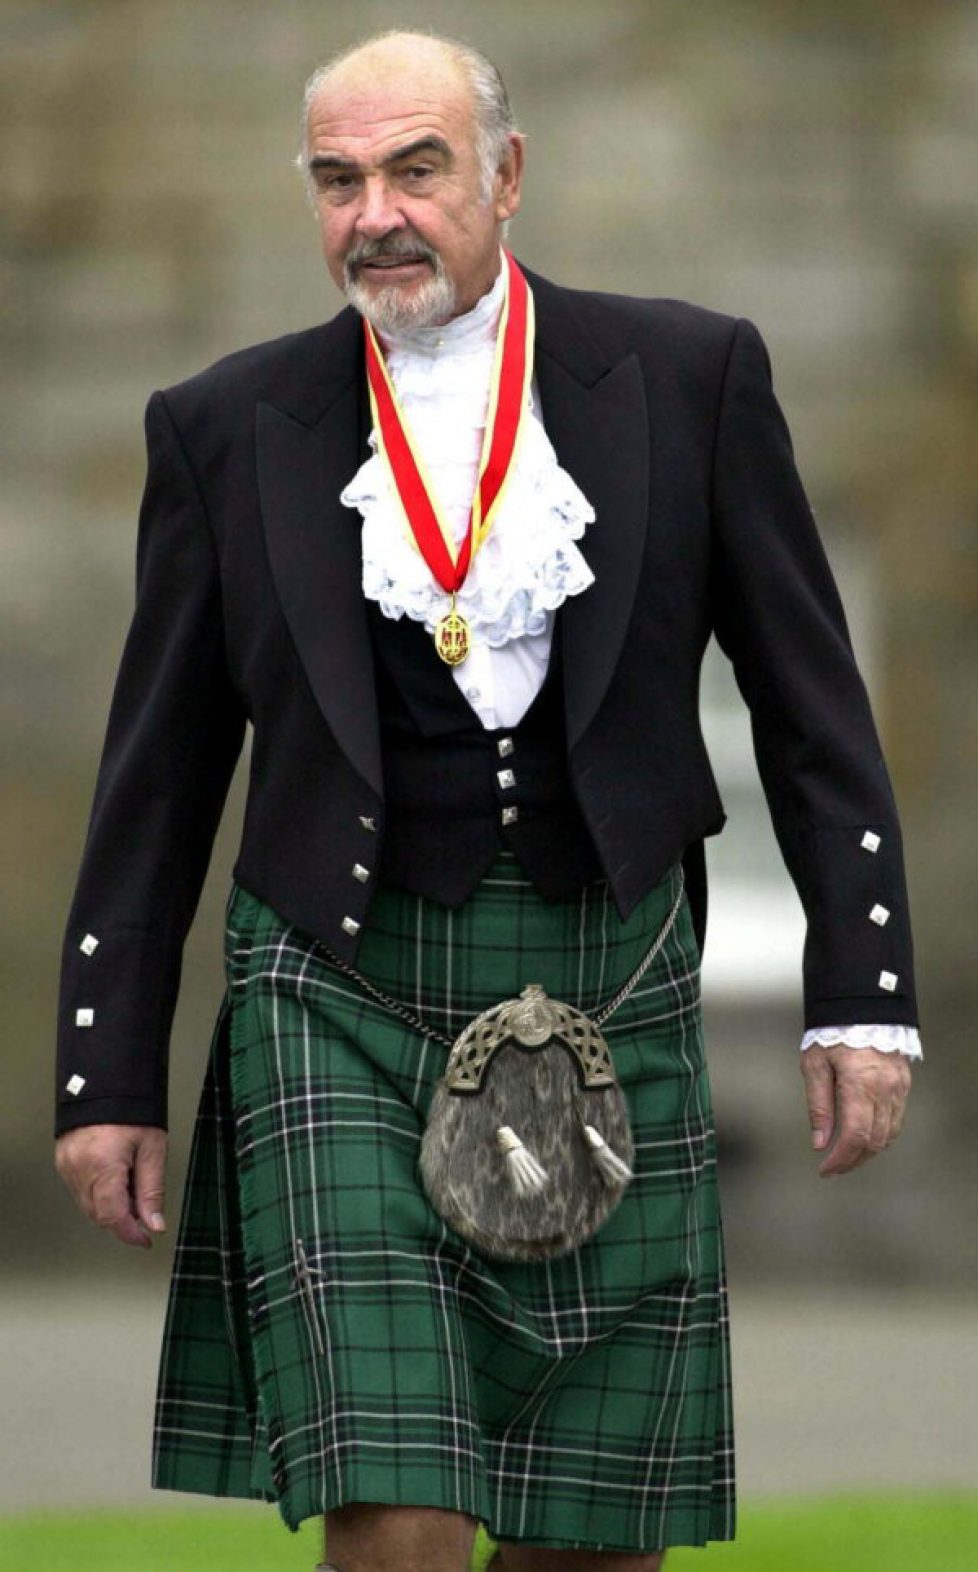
528, 564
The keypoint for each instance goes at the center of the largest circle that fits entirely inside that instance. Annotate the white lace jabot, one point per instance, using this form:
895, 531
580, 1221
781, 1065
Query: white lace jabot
529, 563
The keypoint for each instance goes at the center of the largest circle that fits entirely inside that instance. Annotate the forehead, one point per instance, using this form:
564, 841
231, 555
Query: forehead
366, 114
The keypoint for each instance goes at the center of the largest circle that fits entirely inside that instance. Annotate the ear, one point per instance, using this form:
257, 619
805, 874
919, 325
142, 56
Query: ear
508, 181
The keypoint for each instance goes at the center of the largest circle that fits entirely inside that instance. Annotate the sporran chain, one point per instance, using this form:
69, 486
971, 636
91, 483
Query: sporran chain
598, 1019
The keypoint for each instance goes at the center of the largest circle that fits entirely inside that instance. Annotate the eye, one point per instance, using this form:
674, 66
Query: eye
334, 181
417, 172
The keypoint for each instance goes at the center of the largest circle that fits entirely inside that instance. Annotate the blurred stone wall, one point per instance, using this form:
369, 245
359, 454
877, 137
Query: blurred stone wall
811, 167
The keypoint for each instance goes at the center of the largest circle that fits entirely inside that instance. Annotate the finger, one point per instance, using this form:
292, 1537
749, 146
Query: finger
111, 1205
890, 1095
130, 1231
882, 1124
874, 1139
879, 1134
149, 1177
820, 1095
856, 1117
862, 1159
898, 1108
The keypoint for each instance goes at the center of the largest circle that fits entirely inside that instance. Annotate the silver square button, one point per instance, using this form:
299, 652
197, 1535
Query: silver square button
510, 815
888, 980
880, 915
870, 841
350, 925
89, 943
75, 1085
84, 1017
505, 746
360, 872
367, 821
506, 778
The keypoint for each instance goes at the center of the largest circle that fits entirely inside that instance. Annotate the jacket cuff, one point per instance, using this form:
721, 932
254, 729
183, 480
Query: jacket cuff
109, 1110
860, 1010
116, 1001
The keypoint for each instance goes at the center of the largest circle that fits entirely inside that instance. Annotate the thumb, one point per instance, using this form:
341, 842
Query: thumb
820, 1095
149, 1181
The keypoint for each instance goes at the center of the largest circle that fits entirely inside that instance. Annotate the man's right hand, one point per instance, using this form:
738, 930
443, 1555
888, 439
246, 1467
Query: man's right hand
117, 1175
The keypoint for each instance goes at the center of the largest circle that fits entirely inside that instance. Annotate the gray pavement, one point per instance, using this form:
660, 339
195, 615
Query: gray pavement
832, 1392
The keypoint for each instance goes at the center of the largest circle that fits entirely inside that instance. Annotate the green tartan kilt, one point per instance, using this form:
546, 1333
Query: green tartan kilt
329, 1339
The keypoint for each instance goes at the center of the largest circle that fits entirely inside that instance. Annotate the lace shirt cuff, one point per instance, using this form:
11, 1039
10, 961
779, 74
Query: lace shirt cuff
888, 1039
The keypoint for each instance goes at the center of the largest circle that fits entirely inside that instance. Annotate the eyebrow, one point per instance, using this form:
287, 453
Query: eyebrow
424, 144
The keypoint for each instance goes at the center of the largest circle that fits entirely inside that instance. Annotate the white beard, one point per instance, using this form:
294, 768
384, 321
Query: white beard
393, 310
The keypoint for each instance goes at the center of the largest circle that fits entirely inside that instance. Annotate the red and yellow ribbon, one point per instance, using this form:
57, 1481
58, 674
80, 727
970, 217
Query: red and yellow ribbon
508, 401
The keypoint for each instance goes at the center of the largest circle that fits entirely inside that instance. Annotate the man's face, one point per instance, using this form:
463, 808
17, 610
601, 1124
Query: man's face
407, 230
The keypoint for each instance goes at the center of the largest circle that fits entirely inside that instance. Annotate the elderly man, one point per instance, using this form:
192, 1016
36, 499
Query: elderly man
456, 555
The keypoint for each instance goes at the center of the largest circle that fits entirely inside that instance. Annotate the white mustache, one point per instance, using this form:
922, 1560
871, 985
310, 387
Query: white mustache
389, 249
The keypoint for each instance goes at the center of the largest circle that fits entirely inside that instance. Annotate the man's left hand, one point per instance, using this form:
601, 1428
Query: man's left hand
857, 1094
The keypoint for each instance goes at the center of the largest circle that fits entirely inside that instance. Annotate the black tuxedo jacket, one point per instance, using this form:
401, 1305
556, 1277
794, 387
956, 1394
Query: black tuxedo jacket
249, 608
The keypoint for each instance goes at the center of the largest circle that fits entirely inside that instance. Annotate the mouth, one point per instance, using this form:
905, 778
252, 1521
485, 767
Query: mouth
392, 266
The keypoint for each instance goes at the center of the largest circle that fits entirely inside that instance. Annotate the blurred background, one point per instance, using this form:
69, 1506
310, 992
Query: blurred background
813, 167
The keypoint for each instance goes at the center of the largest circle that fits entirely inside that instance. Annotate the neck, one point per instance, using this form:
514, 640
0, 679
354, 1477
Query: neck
480, 288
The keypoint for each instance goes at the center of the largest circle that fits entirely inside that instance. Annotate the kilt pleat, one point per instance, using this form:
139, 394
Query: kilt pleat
329, 1339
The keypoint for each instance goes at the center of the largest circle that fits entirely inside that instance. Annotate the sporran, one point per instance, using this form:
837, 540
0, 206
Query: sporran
527, 1148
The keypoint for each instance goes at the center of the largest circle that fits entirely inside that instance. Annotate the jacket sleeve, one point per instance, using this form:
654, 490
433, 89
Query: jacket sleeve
175, 730
778, 617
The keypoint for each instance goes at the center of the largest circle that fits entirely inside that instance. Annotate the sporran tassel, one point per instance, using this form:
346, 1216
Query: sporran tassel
526, 1175
613, 1171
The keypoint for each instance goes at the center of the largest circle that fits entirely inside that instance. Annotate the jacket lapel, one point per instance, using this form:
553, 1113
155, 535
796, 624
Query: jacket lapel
314, 546
596, 417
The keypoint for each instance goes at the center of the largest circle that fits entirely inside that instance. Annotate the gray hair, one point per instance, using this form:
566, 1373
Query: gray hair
494, 118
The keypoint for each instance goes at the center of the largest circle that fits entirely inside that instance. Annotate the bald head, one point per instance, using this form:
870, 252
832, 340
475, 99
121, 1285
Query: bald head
402, 60
396, 57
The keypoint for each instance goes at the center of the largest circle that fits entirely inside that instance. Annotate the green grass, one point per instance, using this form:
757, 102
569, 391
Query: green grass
838, 1534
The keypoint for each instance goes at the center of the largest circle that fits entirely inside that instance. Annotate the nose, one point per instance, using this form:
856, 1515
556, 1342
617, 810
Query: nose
378, 211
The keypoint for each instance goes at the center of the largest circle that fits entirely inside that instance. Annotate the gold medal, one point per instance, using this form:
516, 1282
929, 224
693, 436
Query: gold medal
452, 637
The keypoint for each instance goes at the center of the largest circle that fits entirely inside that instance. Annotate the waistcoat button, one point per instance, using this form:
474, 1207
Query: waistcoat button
350, 925
510, 815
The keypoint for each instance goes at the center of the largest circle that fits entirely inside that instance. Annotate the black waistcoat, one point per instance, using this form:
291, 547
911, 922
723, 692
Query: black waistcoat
449, 808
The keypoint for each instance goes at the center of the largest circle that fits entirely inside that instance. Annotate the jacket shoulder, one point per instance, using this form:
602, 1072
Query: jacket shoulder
674, 339
659, 321
280, 370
